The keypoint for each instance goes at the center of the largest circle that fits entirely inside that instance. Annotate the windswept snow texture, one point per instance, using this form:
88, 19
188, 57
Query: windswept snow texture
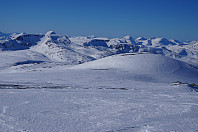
55, 83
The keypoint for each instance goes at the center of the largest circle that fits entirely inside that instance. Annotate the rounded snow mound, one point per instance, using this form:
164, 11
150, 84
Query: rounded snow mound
135, 62
150, 66
139, 63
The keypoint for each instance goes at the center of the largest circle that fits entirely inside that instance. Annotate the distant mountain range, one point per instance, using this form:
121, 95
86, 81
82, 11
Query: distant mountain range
74, 50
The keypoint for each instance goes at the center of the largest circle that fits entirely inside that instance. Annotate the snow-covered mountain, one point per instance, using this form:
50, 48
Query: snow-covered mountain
4, 36
20, 42
57, 48
74, 50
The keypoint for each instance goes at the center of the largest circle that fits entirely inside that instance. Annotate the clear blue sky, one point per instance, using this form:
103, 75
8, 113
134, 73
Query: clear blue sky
177, 19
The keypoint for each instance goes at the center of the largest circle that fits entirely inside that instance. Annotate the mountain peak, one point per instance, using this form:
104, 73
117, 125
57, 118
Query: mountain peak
50, 32
128, 37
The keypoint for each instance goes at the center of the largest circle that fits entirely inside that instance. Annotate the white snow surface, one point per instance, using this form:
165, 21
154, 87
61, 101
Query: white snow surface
145, 66
94, 88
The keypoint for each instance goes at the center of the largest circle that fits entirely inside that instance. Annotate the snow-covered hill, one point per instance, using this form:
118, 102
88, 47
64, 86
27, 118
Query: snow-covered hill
145, 67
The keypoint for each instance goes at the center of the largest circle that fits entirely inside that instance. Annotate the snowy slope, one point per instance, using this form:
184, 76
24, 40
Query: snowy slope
146, 66
13, 58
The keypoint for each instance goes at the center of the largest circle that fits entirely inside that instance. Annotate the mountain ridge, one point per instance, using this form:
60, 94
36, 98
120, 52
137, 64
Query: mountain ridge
62, 48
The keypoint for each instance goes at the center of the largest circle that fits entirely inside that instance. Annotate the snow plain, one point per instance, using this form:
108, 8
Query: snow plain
128, 92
